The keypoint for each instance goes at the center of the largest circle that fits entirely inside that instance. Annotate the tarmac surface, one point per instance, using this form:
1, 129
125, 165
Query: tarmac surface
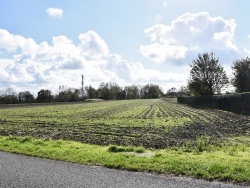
19, 171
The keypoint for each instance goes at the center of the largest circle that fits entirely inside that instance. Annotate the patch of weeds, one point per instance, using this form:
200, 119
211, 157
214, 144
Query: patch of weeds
159, 154
40, 142
116, 149
57, 143
216, 169
140, 149
25, 139
41, 151
242, 147
232, 150
202, 144
11, 138
239, 169
187, 147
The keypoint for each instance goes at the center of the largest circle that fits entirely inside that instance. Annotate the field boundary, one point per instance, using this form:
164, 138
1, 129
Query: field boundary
237, 103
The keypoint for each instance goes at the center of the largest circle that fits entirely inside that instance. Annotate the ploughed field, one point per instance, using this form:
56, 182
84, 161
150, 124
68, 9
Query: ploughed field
152, 123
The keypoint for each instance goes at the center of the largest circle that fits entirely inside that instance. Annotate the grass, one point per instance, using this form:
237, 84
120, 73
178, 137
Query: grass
229, 162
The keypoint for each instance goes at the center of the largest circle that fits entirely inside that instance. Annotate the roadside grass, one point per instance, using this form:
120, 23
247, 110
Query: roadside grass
229, 161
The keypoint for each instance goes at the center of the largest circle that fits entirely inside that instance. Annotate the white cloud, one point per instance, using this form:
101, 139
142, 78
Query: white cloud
190, 34
160, 52
12, 42
92, 45
4, 74
54, 12
63, 63
136, 73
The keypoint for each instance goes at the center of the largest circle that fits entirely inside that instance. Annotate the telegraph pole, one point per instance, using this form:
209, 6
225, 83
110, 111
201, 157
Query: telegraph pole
82, 85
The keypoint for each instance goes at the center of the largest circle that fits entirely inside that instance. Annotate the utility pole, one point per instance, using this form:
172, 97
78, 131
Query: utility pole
82, 85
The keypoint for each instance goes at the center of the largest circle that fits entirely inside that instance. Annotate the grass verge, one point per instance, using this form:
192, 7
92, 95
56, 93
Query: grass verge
227, 163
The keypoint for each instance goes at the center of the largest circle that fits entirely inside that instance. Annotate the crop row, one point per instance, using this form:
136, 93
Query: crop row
151, 123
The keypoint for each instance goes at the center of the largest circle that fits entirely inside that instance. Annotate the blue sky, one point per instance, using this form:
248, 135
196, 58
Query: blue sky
47, 43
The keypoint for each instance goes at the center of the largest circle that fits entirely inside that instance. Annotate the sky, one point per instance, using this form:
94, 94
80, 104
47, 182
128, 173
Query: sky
48, 43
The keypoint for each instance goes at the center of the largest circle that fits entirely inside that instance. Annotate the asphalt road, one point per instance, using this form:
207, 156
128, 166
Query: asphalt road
18, 171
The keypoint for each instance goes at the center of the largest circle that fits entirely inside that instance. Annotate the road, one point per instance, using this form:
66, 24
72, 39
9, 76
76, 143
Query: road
19, 171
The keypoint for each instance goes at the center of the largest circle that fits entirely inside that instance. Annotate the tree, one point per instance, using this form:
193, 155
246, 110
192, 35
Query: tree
207, 76
44, 96
183, 91
76, 94
68, 94
114, 90
121, 95
64, 94
241, 72
8, 96
104, 91
26, 97
108, 91
91, 92
151, 91
172, 92
132, 92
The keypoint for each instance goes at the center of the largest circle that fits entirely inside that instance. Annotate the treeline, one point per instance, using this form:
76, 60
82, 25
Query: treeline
105, 91
112, 91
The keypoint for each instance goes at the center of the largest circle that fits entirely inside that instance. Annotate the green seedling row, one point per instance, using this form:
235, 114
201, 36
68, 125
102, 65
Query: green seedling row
151, 123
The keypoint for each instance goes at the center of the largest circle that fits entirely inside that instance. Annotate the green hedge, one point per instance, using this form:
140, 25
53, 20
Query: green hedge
237, 103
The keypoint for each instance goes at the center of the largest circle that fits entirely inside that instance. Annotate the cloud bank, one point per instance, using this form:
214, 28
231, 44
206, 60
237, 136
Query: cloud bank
39, 66
190, 34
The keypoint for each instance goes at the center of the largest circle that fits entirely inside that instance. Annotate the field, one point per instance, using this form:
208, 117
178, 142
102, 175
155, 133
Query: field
155, 123
155, 135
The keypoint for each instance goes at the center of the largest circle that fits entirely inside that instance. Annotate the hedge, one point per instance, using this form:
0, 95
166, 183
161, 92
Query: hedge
237, 103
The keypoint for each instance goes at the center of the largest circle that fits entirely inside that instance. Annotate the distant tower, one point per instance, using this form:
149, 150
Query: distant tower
82, 85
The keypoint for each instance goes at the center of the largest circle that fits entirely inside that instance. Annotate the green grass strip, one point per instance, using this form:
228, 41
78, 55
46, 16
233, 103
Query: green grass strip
217, 164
